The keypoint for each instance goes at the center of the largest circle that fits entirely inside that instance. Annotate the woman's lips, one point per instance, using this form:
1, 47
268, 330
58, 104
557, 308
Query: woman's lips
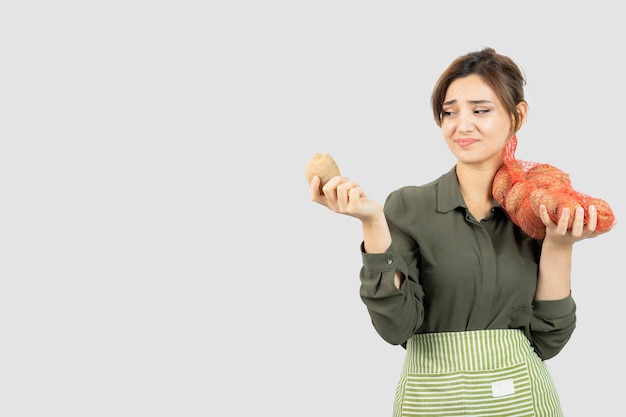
466, 142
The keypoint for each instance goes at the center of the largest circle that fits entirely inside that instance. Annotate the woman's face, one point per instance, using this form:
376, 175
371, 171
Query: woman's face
475, 124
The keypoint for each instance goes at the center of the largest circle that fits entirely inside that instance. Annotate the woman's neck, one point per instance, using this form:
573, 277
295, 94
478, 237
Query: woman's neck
476, 184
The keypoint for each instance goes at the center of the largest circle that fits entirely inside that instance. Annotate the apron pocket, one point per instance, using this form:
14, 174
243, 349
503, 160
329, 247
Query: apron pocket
502, 392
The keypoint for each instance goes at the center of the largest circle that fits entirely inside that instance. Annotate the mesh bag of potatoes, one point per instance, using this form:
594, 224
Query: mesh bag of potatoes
521, 187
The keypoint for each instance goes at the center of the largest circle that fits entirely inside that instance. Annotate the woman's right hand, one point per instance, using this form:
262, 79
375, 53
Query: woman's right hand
345, 197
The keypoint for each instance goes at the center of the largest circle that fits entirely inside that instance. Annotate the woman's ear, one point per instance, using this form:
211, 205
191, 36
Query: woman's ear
522, 113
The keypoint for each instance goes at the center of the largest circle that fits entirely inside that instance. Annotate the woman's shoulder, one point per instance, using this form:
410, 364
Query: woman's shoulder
419, 195
425, 188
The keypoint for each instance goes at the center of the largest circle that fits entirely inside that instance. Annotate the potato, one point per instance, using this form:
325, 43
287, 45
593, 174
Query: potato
517, 197
606, 217
324, 166
548, 176
502, 184
555, 201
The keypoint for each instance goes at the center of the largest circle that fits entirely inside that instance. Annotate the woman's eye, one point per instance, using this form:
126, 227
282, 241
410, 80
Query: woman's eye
447, 113
481, 111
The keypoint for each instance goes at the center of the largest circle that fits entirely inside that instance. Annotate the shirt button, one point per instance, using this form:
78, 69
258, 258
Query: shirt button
389, 261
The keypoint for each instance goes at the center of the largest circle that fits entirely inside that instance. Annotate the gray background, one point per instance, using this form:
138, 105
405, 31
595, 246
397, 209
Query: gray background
160, 254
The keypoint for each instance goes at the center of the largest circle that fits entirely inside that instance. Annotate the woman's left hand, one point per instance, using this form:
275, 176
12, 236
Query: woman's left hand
562, 234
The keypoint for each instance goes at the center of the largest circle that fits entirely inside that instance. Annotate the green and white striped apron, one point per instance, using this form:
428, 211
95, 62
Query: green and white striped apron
475, 373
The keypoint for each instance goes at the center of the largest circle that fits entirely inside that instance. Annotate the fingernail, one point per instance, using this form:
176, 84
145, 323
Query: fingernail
592, 208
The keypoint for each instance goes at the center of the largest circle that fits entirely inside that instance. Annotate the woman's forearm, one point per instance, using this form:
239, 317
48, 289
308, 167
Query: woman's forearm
377, 239
376, 234
555, 268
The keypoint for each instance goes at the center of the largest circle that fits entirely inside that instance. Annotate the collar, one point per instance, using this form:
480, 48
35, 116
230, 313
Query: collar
448, 192
449, 195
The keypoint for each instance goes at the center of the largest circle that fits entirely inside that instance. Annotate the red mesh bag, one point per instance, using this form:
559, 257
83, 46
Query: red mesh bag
521, 187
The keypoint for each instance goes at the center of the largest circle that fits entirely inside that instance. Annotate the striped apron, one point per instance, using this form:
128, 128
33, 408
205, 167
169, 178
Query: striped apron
474, 373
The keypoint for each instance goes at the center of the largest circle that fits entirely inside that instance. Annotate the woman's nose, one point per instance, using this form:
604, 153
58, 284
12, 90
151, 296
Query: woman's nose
465, 124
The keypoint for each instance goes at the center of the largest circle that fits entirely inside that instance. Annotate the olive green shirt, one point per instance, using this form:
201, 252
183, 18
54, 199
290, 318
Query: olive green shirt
460, 273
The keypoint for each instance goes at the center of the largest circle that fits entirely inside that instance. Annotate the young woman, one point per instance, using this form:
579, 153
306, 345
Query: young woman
478, 304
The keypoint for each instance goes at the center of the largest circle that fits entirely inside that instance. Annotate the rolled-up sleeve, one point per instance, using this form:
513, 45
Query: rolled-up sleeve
396, 313
551, 326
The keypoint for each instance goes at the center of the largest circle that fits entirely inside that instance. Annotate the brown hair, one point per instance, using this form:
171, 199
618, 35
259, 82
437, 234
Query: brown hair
500, 72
